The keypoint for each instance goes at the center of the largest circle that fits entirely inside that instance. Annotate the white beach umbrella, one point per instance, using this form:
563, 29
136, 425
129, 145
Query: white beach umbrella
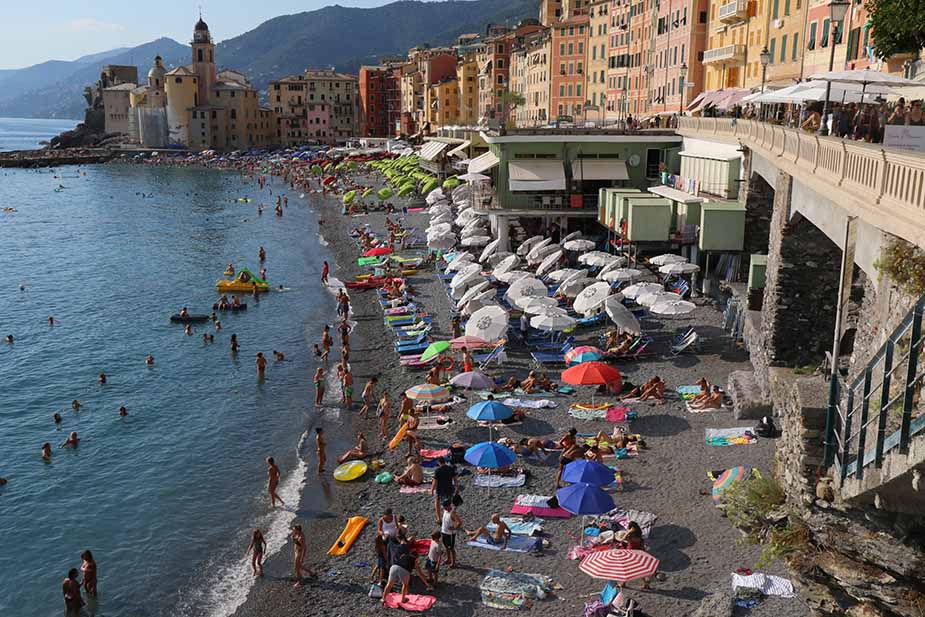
578, 245
575, 275
437, 229
634, 291
509, 276
472, 292
549, 262
538, 255
469, 268
475, 222
461, 192
434, 196
591, 298
439, 208
525, 288
475, 304
441, 243
476, 241
673, 307
474, 177
498, 256
552, 322
506, 264
615, 263
460, 260
561, 274
574, 286
621, 316
667, 258
489, 323
620, 275
486, 294
458, 290
527, 244
475, 232
537, 249
596, 258
679, 268
655, 297
571, 236
541, 309
524, 303
490, 248
442, 216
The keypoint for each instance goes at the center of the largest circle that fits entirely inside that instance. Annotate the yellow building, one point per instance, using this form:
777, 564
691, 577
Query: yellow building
598, 37
317, 106
518, 84
182, 87
530, 62
442, 103
467, 76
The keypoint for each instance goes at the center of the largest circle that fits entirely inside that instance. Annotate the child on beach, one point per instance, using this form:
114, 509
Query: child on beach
434, 555
319, 385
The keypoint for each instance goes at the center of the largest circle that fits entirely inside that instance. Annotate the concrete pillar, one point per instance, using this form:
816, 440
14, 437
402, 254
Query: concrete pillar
501, 229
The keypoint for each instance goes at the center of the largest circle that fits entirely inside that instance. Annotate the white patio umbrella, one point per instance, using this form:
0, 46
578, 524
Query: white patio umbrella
445, 218
460, 288
597, 258
549, 262
654, 297
578, 245
525, 288
591, 298
473, 177
540, 309
475, 223
472, 292
634, 291
470, 268
621, 316
525, 303
561, 274
498, 256
537, 248
571, 236
864, 78
679, 268
574, 286
438, 229
440, 208
552, 322
486, 294
667, 258
527, 244
476, 241
509, 276
475, 304
490, 248
506, 264
576, 274
615, 263
434, 196
673, 307
489, 323
441, 243
460, 261
474, 230
537, 255
620, 275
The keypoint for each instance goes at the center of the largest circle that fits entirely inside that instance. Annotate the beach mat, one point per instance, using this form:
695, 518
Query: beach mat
431, 454
498, 481
620, 414
413, 490
434, 423
515, 544
530, 404
537, 505
414, 603
518, 526
587, 414
730, 436
514, 590
687, 404
688, 392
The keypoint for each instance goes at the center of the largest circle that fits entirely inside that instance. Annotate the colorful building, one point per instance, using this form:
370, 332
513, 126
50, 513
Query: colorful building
598, 36
569, 60
530, 62
328, 97
442, 103
467, 78
378, 108
680, 39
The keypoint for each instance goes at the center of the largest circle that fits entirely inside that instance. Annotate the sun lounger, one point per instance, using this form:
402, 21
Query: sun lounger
498, 481
515, 544
547, 358
406, 350
688, 344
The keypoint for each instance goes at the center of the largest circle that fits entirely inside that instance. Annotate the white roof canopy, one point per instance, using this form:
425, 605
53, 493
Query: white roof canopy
460, 150
483, 163
599, 169
675, 195
432, 149
536, 175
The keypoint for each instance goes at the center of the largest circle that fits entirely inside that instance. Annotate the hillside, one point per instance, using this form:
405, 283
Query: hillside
335, 36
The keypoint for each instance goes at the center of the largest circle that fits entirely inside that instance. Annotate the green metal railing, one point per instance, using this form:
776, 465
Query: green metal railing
881, 410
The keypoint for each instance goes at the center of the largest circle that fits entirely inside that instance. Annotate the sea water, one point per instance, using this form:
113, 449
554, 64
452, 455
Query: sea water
28, 133
166, 497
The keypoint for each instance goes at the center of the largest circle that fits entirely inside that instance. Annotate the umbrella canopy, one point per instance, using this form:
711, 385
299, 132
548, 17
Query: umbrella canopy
472, 292
561, 274
679, 268
490, 248
489, 323
470, 342
537, 255
458, 290
596, 258
541, 309
490, 454
475, 304
527, 244
438, 228
573, 287
461, 261
468, 270
571, 236
509, 276
476, 241
552, 321
378, 251
667, 258
441, 243
584, 498
434, 349
525, 288
866, 77
591, 297
619, 275
474, 177
614, 263
427, 392
490, 411
591, 374
578, 245
634, 291
526, 303
549, 262
497, 257
655, 297
588, 472
727, 479
506, 264
576, 274
473, 380
620, 565
673, 307
577, 355
622, 317
538, 246
434, 196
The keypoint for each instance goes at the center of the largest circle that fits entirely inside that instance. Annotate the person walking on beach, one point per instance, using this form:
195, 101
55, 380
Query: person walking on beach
348, 385
88, 567
385, 414
444, 485
325, 272
273, 482
467, 360
261, 363
450, 523
369, 395
319, 386
71, 590
326, 341
298, 555
256, 548
320, 444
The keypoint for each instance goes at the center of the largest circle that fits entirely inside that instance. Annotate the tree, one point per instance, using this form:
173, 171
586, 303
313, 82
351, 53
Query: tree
510, 101
897, 26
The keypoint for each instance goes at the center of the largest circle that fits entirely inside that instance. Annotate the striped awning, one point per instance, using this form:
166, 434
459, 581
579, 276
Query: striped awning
432, 150
460, 150
483, 163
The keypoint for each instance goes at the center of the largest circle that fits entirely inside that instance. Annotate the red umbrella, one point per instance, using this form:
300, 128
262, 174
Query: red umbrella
470, 342
592, 374
619, 565
378, 251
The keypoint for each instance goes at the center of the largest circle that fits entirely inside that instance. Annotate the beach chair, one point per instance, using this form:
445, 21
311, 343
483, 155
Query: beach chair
421, 339
682, 288
689, 343
587, 322
412, 335
496, 355
543, 358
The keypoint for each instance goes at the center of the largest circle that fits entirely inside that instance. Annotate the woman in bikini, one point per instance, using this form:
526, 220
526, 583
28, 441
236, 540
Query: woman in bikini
318, 381
257, 548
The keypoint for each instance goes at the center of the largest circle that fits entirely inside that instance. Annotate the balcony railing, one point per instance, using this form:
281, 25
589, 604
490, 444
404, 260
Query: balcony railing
734, 11
729, 54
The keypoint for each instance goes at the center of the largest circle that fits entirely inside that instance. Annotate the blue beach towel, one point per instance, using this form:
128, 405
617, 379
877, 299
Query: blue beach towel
516, 544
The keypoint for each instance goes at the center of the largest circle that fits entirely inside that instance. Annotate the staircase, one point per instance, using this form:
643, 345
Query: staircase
875, 435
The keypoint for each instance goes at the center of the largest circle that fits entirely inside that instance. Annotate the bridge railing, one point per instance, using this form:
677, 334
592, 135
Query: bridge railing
870, 172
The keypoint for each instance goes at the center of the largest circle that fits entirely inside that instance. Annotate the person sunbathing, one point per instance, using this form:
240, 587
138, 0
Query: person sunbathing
622, 346
544, 384
529, 384
568, 440
358, 452
530, 446
500, 536
713, 401
654, 389
413, 475
509, 386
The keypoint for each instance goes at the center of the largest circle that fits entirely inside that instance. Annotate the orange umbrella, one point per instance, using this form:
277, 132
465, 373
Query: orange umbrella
592, 374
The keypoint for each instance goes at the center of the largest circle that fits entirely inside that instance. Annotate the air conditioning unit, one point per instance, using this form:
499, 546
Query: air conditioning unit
778, 23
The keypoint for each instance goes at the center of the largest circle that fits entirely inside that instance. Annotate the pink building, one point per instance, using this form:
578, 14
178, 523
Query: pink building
318, 123
680, 38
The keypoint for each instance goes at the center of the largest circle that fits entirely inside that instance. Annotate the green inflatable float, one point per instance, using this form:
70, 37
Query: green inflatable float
384, 193
348, 197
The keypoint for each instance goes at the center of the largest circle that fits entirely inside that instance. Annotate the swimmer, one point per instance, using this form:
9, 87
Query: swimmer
8, 339
262, 254
188, 330
184, 312
75, 405
51, 320
72, 440
46, 451
234, 343
280, 356
102, 379
123, 411
261, 363
56, 417
218, 326
149, 360
207, 338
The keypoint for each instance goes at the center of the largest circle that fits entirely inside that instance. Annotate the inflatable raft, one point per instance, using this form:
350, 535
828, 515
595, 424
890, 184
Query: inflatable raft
230, 307
176, 317
349, 535
245, 281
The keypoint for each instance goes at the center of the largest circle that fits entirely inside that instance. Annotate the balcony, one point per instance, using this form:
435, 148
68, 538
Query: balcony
733, 12
728, 54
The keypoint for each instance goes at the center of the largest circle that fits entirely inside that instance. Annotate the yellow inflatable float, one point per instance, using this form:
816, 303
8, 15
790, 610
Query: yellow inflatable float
245, 282
351, 470
349, 535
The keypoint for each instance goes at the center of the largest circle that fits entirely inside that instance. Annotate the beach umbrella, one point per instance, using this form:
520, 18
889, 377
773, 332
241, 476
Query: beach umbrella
578, 245
441, 243
510, 276
525, 288
525, 303
634, 291
467, 270
472, 380
460, 260
378, 251
474, 177
497, 257
679, 268
527, 244
571, 236
596, 258
384, 193
434, 196
591, 298
588, 472
434, 349
621, 565
621, 316
655, 297
548, 263
490, 411
673, 307
475, 304
475, 227
574, 286
472, 292
577, 355
553, 322
537, 246
490, 248
471, 342
489, 323
614, 263
561, 274
727, 479
490, 454
619, 275
584, 498
540, 253
476, 241
460, 288
438, 228
667, 258
427, 392
591, 374
506, 264
542, 309
575, 275
464, 217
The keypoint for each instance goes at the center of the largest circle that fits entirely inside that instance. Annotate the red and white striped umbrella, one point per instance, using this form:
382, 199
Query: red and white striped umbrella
619, 565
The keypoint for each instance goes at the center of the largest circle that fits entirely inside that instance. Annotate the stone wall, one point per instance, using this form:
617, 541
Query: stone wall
802, 406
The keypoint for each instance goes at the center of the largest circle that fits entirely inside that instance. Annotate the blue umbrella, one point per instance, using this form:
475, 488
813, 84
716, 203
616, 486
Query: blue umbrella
583, 498
490, 454
490, 411
588, 472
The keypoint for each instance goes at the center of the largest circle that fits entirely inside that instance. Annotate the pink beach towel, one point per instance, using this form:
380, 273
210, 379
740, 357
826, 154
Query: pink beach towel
419, 548
413, 603
617, 414
411, 490
537, 505
426, 454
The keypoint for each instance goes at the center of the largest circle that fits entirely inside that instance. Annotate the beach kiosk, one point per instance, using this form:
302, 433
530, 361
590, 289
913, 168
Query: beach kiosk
648, 219
722, 230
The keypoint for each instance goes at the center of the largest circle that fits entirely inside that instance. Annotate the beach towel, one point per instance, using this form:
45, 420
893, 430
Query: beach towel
435, 453
645, 520
768, 584
538, 505
566, 390
419, 548
515, 544
730, 436
498, 481
620, 414
518, 526
412, 490
433, 423
688, 392
723, 407
413, 603
513, 590
537, 404
587, 414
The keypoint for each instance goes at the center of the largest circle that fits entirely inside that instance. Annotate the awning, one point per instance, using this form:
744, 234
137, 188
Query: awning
460, 150
536, 175
676, 195
599, 169
712, 157
483, 163
432, 150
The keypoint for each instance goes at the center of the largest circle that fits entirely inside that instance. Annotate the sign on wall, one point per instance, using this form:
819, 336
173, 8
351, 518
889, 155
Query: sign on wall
904, 137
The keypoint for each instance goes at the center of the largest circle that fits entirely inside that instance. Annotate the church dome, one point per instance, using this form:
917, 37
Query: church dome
201, 26
157, 71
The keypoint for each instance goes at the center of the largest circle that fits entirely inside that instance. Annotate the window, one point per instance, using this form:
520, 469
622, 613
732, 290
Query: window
825, 34
772, 48
500, 63
199, 55
786, 7
581, 47
703, 17
775, 9
561, 93
796, 45
812, 36
571, 49
594, 52
570, 90
561, 49
783, 49
578, 90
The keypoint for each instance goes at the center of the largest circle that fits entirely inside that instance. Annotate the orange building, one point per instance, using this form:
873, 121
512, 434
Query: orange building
568, 91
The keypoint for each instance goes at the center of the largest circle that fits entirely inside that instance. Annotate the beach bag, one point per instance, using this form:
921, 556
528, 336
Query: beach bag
375, 591
457, 500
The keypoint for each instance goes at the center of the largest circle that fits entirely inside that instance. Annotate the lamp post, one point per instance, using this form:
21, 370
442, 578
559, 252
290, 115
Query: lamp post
837, 11
682, 72
765, 57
